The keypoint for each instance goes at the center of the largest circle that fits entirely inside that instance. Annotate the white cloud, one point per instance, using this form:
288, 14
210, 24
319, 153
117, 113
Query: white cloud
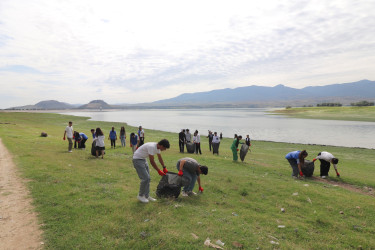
141, 51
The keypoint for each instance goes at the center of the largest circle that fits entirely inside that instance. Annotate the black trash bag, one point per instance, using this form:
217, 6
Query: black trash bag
93, 149
190, 147
308, 168
170, 185
243, 151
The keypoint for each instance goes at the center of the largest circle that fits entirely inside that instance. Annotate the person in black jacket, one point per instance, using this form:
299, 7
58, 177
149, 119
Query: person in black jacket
182, 140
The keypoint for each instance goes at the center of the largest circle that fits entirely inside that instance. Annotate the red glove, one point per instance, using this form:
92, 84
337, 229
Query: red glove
161, 173
300, 173
200, 189
64, 138
180, 173
165, 170
314, 159
338, 175
237, 149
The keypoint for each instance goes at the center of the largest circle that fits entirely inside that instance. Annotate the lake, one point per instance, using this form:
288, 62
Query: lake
259, 124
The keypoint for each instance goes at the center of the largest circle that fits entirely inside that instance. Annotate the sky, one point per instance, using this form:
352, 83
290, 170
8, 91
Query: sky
142, 51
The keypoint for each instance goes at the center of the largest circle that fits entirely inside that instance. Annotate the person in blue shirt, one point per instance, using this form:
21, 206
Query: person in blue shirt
113, 137
296, 159
83, 140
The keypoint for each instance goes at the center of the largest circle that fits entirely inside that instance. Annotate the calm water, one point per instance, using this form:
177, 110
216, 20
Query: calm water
255, 122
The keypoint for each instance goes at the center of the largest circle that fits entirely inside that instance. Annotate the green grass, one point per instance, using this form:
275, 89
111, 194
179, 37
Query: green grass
366, 114
91, 203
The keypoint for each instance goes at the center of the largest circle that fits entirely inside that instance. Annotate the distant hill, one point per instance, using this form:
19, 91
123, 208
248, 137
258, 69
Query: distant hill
97, 104
259, 96
250, 96
50, 104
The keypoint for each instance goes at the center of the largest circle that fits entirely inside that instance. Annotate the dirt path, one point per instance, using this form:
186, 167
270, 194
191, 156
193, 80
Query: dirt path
18, 221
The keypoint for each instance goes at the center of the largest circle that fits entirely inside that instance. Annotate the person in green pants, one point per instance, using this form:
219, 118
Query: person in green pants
234, 147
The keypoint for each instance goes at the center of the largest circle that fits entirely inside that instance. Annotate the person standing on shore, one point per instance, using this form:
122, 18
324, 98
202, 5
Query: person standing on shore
123, 136
197, 142
99, 142
134, 141
210, 136
113, 137
215, 144
182, 140
296, 160
69, 134
188, 136
234, 147
148, 150
326, 159
141, 135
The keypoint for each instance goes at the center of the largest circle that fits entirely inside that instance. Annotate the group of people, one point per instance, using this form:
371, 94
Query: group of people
188, 167
185, 138
79, 138
296, 160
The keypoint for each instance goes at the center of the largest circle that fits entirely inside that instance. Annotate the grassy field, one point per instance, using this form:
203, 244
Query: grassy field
89, 203
366, 114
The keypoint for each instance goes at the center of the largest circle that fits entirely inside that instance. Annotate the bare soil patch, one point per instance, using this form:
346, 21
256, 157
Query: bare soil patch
19, 227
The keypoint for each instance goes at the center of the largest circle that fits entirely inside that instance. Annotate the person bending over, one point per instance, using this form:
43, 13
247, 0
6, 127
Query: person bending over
296, 160
326, 159
191, 169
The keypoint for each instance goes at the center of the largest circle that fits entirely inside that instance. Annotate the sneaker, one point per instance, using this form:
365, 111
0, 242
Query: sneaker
151, 199
323, 176
70, 151
190, 193
185, 194
142, 199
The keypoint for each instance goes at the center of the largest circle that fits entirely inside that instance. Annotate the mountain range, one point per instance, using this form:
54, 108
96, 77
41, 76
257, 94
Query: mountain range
250, 96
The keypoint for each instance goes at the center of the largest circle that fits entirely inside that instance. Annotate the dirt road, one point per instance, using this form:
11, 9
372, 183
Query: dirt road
19, 228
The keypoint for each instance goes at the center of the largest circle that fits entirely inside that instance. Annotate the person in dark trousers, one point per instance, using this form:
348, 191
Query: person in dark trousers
326, 159
191, 169
182, 140
215, 143
296, 160
197, 142
210, 136
93, 133
77, 139
141, 136
248, 141
221, 136
113, 137
82, 143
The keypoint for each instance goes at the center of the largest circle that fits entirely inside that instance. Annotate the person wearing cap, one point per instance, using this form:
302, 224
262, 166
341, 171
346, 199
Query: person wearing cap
326, 159
192, 170
148, 150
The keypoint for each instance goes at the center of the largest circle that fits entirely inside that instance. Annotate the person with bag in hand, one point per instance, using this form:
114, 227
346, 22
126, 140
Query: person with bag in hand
192, 170
296, 160
326, 159
148, 150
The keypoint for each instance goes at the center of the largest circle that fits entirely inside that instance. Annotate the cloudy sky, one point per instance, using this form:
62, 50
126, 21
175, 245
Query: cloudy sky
142, 51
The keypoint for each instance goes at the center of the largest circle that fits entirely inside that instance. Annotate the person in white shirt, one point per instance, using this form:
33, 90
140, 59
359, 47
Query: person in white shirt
188, 136
148, 150
141, 135
69, 134
215, 143
99, 142
197, 142
326, 159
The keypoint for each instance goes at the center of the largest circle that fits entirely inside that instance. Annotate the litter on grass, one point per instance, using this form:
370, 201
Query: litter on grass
208, 243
